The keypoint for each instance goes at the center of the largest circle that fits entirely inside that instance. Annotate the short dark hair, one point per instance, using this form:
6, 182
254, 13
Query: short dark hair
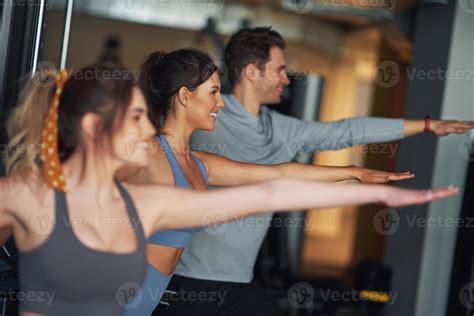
249, 46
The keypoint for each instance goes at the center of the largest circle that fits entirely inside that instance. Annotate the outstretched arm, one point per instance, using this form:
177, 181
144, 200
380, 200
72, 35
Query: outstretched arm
317, 136
172, 208
226, 172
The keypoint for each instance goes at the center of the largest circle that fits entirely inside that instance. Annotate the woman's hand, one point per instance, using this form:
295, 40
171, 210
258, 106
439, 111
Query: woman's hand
370, 176
395, 197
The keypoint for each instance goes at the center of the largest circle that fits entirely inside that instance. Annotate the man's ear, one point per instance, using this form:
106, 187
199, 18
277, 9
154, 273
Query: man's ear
251, 72
183, 96
90, 125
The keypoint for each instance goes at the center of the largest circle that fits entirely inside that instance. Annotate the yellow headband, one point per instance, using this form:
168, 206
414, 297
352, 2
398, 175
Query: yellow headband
52, 170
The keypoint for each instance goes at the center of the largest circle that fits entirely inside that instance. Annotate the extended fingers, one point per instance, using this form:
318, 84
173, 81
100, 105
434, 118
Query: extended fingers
441, 193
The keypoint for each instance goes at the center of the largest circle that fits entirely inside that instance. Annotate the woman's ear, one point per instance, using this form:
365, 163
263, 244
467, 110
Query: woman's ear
183, 96
90, 125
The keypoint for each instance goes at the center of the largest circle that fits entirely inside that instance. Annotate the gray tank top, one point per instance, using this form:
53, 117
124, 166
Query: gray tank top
64, 277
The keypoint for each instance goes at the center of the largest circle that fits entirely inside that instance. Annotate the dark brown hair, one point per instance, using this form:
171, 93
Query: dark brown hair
162, 75
249, 46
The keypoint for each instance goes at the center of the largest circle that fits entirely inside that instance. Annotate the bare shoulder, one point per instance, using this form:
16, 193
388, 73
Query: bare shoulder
22, 199
20, 192
211, 160
11, 187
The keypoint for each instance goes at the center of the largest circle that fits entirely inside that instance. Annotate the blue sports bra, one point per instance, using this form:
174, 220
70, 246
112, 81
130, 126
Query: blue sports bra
176, 238
156, 282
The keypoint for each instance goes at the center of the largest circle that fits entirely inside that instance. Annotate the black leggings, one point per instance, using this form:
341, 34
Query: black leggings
203, 297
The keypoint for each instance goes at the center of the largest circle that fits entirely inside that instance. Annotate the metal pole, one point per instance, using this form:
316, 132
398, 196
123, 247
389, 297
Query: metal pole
39, 30
67, 33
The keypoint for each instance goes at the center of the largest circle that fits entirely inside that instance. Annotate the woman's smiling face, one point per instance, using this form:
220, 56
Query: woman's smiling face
204, 104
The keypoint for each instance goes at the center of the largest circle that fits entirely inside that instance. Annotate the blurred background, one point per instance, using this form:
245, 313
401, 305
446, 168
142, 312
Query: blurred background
346, 58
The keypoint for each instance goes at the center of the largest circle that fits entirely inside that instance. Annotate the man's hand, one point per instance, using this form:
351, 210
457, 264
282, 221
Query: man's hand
438, 127
443, 128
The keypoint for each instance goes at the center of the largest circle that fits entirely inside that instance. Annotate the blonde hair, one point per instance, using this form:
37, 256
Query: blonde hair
25, 125
91, 89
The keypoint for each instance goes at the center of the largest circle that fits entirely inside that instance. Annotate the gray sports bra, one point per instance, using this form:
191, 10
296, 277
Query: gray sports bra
64, 277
